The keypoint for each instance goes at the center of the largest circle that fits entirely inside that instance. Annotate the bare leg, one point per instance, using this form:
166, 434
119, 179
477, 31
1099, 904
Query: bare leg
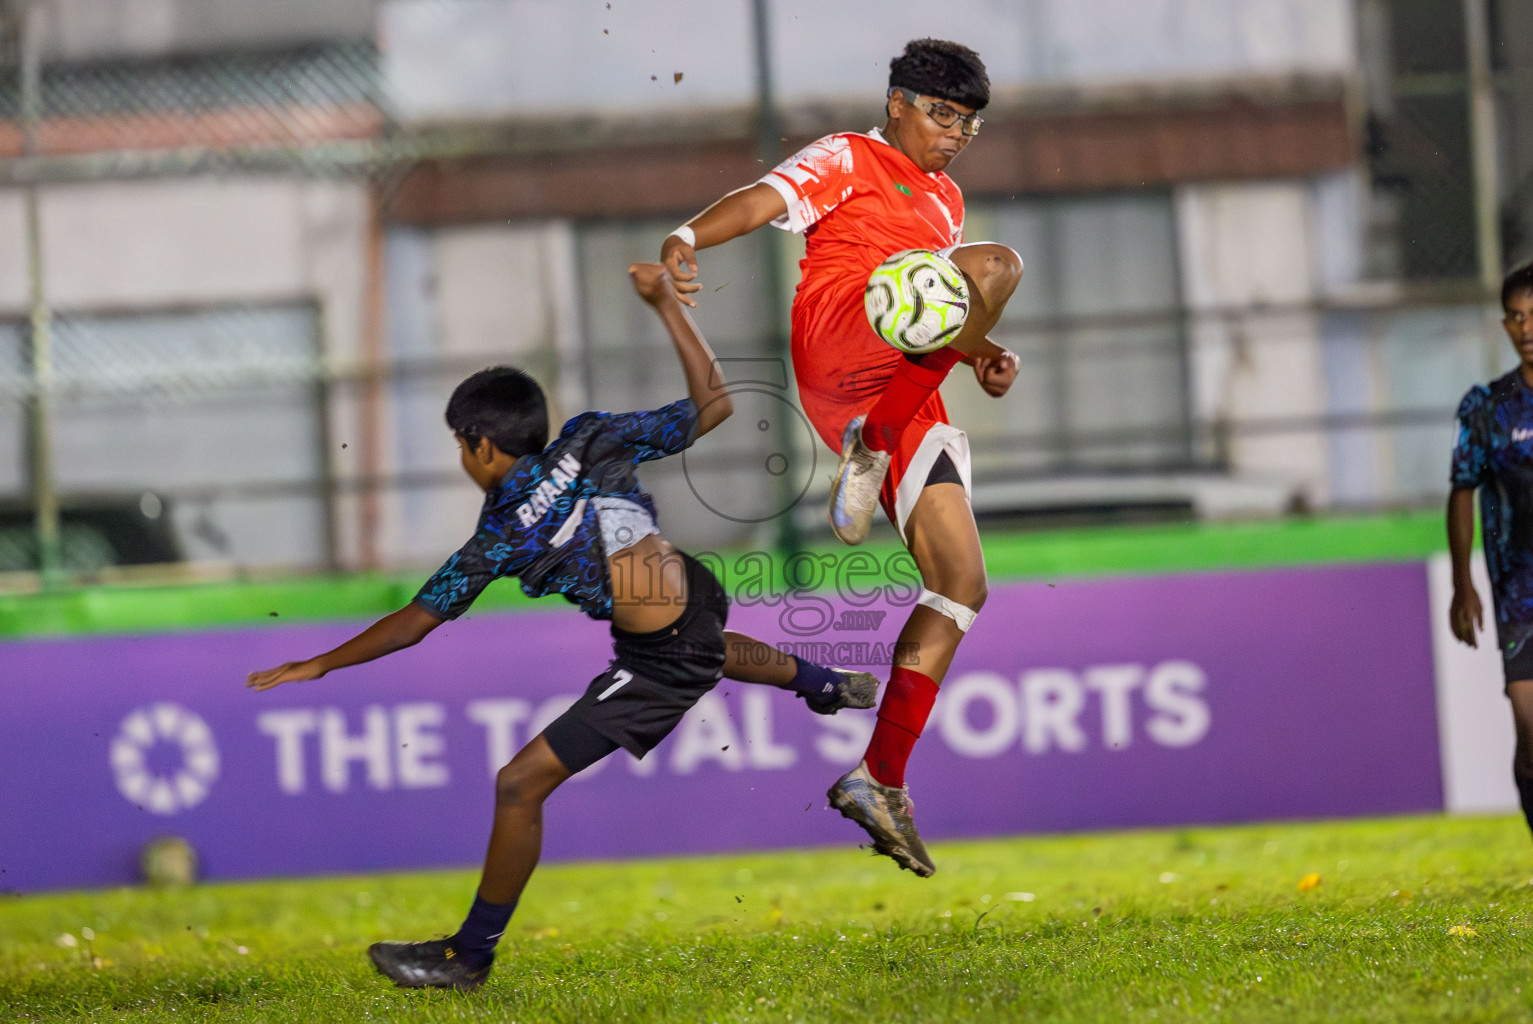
826, 691
516, 838
944, 541
748, 660
1521, 694
516, 841
993, 272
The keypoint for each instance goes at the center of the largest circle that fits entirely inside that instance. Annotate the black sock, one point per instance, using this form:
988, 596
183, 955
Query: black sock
814, 683
481, 930
1522, 774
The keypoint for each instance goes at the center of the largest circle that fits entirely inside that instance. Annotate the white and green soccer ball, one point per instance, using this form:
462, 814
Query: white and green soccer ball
916, 300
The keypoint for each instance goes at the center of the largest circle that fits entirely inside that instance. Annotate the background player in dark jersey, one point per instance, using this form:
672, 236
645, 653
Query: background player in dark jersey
858, 197
1494, 454
570, 518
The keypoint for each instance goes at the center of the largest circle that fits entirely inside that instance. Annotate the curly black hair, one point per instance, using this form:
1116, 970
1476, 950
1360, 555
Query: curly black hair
1517, 282
949, 71
503, 404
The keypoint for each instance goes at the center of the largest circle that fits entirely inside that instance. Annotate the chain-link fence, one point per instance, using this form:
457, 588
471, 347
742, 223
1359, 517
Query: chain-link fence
220, 351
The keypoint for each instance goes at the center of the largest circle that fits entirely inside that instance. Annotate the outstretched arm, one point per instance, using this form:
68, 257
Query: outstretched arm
738, 213
394, 632
705, 381
1465, 615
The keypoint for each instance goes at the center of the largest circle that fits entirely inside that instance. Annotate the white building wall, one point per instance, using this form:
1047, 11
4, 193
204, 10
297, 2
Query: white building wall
475, 296
1245, 247
484, 295
1474, 718
488, 57
162, 245
1189, 38
1381, 359
83, 29
145, 245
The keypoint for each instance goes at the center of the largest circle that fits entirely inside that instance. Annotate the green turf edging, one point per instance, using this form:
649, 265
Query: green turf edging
190, 606
1187, 547
1009, 556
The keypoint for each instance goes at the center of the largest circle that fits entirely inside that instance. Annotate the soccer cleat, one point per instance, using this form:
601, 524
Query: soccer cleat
433, 964
854, 491
884, 812
850, 690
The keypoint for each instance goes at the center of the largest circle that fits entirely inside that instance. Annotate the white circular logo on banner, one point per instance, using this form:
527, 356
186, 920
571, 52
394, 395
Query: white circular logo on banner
164, 724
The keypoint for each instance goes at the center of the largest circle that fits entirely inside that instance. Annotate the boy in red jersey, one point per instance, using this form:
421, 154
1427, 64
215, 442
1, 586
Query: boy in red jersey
857, 199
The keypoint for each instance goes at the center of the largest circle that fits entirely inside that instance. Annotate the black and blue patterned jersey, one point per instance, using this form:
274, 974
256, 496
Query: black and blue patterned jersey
540, 523
1495, 453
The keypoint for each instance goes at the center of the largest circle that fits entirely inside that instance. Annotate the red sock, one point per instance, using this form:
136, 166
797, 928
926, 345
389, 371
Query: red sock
912, 384
908, 700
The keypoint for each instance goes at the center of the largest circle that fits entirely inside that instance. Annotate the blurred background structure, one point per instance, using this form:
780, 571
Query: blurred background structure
247, 249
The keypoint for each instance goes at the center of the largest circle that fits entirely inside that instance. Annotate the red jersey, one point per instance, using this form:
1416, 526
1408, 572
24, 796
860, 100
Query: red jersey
857, 200
882, 204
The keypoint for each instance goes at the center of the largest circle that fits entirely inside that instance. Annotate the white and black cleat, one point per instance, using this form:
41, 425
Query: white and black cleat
886, 815
854, 489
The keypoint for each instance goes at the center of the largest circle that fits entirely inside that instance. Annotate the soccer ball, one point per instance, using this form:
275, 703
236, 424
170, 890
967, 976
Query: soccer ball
168, 860
916, 300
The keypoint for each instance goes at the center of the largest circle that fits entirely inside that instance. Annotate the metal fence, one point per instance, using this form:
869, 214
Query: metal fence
258, 384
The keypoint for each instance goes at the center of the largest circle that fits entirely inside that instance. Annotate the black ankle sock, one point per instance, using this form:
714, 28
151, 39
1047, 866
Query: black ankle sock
481, 930
814, 682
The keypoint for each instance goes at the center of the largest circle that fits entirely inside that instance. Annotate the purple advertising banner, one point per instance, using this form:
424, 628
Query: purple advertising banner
1082, 705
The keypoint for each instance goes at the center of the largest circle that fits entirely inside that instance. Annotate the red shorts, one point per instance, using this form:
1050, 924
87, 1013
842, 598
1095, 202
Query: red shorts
842, 367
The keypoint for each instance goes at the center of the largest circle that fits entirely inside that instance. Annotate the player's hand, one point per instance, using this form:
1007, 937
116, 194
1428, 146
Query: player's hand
996, 373
652, 283
680, 261
292, 672
1465, 615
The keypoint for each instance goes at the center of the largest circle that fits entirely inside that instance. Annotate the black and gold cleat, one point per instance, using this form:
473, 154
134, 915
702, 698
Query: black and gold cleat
433, 964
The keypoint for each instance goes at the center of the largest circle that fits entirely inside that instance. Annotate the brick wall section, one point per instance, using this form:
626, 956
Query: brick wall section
1231, 138
214, 129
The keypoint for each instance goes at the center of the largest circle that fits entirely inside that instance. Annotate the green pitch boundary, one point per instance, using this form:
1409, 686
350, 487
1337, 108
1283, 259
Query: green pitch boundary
1045, 555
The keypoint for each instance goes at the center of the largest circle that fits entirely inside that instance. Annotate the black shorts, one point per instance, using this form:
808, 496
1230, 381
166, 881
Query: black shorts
653, 680
1517, 660
943, 471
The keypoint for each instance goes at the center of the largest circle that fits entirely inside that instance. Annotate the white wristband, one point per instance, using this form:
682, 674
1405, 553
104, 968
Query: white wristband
686, 234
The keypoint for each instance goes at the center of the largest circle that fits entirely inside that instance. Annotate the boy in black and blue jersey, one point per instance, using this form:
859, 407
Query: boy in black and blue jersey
571, 518
1494, 455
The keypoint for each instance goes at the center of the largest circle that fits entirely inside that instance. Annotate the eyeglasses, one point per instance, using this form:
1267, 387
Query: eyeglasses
1515, 320
940, 112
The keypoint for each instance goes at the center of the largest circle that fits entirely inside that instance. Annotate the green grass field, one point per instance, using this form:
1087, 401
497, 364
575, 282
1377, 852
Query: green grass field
1424, 918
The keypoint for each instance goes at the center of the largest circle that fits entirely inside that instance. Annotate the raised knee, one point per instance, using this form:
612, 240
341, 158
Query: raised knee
967, 584
975, 594
1008, 263
513, 786
959, 599
997, 269
967, 591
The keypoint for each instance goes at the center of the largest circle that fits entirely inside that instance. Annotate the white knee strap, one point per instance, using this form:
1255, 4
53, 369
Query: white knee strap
964, 617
